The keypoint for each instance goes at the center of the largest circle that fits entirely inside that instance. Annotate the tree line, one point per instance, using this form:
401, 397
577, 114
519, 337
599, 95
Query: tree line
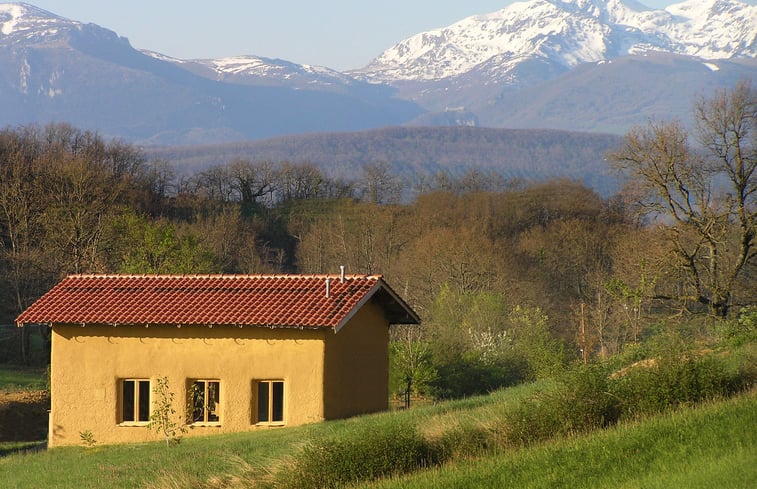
512, 279
412, 151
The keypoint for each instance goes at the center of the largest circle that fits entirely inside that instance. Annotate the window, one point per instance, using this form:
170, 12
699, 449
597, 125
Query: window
135, 401
205, 401
270, 401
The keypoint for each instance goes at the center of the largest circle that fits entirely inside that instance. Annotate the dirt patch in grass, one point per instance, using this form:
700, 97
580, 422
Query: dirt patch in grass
23, 415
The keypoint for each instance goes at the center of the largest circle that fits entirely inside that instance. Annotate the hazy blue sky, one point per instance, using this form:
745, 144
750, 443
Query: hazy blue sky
340, 34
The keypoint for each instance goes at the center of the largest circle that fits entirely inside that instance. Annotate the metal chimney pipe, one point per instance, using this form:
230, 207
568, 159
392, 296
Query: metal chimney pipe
328, 287
341, 273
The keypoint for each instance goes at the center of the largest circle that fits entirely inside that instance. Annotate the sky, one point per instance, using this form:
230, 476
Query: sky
339, 34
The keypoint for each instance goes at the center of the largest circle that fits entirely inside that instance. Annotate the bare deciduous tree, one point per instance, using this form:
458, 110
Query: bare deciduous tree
707, 198
379, 184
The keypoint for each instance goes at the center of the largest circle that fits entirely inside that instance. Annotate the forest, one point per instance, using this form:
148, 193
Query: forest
513, 279
530, 154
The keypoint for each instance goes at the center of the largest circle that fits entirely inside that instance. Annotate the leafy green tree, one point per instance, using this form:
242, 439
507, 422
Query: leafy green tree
155, 247
480, 343
532, 338
412, 370
633, 301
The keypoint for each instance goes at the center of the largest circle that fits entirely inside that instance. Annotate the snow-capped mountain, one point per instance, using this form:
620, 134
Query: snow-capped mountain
259, 70
54, 69
569, 33
594, 65
20, 22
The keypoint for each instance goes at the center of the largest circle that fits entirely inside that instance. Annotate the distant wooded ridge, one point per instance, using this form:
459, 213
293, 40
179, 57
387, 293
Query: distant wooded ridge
411, 152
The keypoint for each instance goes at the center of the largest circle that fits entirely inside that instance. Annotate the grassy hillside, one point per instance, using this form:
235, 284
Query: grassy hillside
196, 461
709, 446
700, 446
674, 418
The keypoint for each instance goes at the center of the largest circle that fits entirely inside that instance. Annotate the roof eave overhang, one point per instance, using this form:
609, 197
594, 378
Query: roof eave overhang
176, 325
380, 286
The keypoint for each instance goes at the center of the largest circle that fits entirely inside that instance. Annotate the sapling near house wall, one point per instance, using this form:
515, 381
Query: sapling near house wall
87, 438
163, 416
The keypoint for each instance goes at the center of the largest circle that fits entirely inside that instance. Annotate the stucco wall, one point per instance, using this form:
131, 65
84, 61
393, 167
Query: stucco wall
88, 362
357, 365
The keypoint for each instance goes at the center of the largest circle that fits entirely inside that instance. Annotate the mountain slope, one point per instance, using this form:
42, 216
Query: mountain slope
56, 69
596, 65
261, 71
614, 95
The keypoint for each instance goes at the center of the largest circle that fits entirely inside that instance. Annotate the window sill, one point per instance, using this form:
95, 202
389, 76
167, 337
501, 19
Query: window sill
205, 425
275, 423
140, 424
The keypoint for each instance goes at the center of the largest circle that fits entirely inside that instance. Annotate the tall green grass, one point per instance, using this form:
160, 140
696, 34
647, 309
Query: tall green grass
585, 399
706, 446
377, 450
709, 446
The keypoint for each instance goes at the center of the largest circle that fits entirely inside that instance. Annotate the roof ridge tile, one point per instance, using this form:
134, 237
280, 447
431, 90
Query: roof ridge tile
225, 276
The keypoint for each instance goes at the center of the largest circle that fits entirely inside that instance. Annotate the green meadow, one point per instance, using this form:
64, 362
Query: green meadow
13, 378
462, 443
708, 446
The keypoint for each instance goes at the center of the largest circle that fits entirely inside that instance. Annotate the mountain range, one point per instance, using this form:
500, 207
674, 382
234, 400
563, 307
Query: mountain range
594, 65
55, 69
567, 33
591, 65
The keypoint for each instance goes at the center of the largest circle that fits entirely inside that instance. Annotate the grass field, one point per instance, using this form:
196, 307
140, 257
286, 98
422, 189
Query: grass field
196, 460
15, 378
666, 425
713, 445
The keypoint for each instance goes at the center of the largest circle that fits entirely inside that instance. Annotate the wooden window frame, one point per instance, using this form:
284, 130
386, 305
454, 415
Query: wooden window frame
270, 411
140, 410
199, 412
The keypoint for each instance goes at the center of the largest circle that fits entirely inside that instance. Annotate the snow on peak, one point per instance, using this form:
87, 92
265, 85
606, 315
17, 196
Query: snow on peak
10, 14
571, 32
161, 56
22, 19
260, 66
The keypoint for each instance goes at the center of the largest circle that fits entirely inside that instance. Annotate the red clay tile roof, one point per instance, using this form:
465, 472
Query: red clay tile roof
258, 300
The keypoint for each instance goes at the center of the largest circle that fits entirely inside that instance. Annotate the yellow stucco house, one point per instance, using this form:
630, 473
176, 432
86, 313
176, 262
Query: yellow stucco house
240, 352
